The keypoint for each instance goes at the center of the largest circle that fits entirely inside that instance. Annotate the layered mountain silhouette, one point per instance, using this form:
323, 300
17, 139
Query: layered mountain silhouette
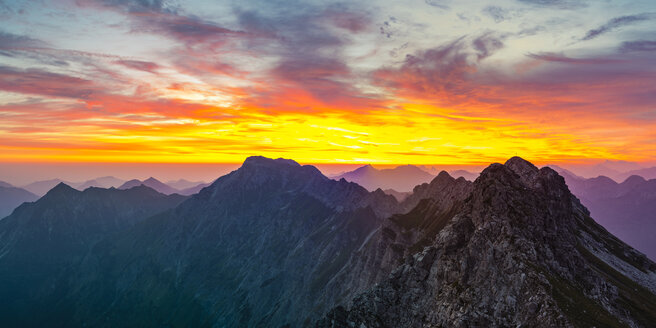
400, 179
278, 244
40, 188
11, 197
165, 188
101, 182
182, 184
647, 173
627, 209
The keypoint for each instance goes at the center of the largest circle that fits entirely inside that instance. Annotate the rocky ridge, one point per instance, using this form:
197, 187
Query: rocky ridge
520, 251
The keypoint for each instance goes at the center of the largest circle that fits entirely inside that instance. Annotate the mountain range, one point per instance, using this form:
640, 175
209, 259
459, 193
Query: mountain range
616, 170
401, 179
627, 209
11, 197
46, 243
278, 244
189, 188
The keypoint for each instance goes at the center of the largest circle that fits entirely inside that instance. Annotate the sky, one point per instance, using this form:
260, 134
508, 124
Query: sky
383, 82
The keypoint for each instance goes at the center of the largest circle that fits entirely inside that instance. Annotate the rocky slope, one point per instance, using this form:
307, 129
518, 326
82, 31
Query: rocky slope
519, 251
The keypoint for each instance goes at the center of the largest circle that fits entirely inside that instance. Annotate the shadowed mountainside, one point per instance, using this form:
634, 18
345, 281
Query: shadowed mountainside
43, 243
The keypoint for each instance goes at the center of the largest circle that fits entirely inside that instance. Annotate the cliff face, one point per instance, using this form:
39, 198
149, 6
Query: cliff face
519, 251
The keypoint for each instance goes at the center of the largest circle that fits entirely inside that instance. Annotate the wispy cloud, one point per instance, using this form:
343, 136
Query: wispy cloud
140, 65
616, 23
640, 45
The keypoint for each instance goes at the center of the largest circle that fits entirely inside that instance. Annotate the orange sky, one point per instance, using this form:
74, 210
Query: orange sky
326, 83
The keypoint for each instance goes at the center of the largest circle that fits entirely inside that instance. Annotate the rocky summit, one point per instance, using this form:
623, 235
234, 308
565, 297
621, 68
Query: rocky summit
277, 244
519, 251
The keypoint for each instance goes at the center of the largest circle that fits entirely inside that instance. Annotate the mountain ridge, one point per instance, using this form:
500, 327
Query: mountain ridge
276, 243
524, 235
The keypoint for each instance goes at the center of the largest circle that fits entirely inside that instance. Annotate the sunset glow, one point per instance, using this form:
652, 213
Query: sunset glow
432, 82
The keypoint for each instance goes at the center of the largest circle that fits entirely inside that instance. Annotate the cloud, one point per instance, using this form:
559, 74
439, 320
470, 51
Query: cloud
559, 58
13, 41
38, 82
443, 70
353, 22
153, 16
616, 23
135, 6
560, 4
641, 45
437, 3
498, 14
307, 70
145, 66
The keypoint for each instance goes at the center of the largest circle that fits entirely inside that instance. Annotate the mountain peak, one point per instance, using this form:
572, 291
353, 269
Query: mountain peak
265, 161
61, 189
634, 179
444, 174
521, 166
364, 169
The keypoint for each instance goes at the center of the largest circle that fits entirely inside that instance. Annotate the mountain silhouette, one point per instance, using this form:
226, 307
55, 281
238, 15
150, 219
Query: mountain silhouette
151, 183
45, 244
627, 209
275, 243
401, 178
11, 197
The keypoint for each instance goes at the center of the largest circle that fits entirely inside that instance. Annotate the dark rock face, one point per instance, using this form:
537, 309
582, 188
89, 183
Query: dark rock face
432, 206
521, 251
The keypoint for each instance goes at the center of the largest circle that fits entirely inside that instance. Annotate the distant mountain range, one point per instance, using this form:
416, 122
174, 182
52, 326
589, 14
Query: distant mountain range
11, 197
627, 209
40, 188
278, 244
400, 179
165, 188
181, 186
616, 170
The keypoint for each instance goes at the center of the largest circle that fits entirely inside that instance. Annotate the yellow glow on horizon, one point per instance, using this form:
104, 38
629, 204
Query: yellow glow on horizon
410, 134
